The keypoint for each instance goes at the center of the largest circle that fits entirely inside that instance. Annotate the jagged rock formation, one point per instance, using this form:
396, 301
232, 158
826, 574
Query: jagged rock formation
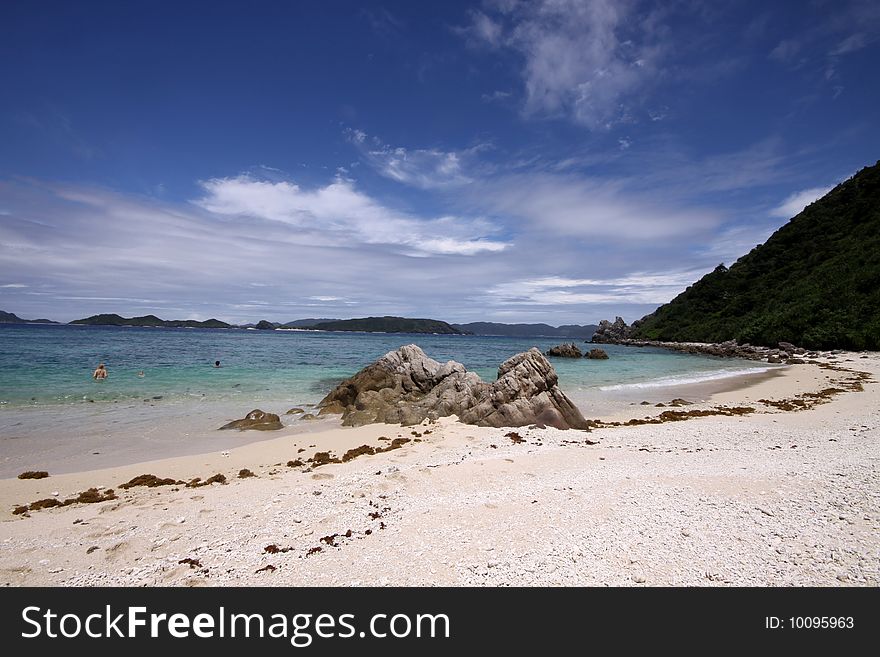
256, 419
610, 333
567, 350
407, 387
597, 354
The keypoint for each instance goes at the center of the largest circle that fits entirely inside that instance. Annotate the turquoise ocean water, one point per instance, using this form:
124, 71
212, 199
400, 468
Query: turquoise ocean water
49, 404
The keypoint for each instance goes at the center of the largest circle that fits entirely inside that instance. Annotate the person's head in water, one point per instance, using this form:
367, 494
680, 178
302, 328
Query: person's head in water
216, 363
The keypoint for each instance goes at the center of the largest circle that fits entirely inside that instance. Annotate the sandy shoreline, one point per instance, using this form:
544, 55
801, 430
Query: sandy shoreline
770, 498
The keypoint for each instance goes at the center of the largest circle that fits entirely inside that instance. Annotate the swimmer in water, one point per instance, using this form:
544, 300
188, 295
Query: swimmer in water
100, 373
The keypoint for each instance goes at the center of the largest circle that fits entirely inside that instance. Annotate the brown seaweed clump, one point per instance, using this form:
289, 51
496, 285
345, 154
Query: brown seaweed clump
358, 451
785, 404
34, 474
295, 464
515, 438
677, 416
331, 539
325, 458
192, 563
150, 481
46, 503
244, 473
198, 483
90, 496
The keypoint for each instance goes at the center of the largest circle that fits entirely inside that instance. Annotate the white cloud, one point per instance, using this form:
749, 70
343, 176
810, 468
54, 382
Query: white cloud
425, 168
13, 285
129, 299
179, 260
340, 210
734, 242
637, 288
585, 59
485, 29
851, 43
798, 201
574, 206
786, 51
496, 96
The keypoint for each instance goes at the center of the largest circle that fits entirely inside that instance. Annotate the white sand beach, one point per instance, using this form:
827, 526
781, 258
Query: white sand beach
770, 498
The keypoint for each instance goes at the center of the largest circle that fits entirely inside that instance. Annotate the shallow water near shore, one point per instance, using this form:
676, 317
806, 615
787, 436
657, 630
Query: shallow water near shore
53, 415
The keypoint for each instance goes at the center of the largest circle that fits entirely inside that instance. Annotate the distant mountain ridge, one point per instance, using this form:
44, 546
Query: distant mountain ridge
814, 283
149, 320
529, 330
12, 318
301, 323
388, 324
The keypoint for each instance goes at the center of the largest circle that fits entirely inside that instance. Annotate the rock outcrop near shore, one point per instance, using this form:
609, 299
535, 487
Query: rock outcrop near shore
256, 419
611, 332
617, 333
407, 387
567, 350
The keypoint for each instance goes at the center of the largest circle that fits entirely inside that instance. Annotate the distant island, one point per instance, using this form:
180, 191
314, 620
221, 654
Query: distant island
388, 324
12, 318
528, 330
814, 283
307, 323
149, 320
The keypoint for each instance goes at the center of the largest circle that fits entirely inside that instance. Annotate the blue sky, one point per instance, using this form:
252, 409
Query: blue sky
552, 161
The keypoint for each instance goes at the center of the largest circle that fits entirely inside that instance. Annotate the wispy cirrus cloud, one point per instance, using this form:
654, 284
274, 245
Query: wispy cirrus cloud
828, 38
797, 201
424, 168
590, 207
636, 288
340, 209
584, 59
330, 247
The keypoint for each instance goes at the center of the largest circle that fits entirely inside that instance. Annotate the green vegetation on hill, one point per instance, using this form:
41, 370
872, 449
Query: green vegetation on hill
12, 318
300, 323
815, 282
389, 325
149, 320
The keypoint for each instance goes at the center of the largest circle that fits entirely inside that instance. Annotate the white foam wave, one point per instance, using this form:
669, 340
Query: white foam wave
687, 379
